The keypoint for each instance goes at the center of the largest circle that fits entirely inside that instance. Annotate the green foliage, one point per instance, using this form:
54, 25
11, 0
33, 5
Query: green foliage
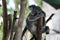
39, 2
1, 34
27, 11
10, 10
17, 1
7, 1
0, 11
1, 27
1, 31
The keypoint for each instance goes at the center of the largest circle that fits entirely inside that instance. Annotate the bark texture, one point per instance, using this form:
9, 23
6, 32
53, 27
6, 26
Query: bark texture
21, 19
4, 20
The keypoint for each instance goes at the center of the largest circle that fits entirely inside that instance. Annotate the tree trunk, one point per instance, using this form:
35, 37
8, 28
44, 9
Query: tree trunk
21, 19
5, 29
39, 34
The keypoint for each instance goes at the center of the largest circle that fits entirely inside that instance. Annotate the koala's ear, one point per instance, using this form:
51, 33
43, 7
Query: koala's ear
32, 6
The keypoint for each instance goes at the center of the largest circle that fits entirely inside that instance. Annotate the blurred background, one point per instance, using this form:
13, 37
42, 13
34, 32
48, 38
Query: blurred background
48, 6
